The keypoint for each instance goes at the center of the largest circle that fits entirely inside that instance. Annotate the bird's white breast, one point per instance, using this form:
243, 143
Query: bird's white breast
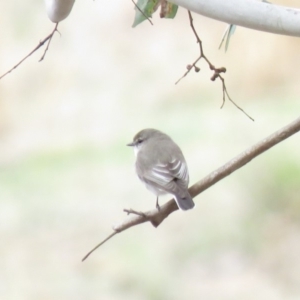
136, 150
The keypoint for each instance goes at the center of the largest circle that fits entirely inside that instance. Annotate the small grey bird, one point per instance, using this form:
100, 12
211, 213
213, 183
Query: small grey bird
160, 164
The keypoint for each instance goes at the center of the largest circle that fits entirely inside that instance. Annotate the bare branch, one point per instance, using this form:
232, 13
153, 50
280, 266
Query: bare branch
96, 247
225, 93
49, 41
41, 43
156, 217
131, 211
217, 71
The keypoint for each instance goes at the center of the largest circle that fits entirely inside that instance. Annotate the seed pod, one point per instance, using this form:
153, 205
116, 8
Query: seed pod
58, 10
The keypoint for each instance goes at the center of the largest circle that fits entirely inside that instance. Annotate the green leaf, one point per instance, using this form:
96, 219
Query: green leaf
227, 35
231, 31
146, 9
171, 10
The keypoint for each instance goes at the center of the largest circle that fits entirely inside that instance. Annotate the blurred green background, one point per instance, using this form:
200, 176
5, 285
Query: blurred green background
66, 174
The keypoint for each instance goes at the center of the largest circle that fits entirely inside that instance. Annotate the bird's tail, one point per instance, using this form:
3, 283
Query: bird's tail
184, 203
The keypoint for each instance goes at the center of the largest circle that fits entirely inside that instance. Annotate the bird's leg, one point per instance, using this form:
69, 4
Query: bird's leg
157, 205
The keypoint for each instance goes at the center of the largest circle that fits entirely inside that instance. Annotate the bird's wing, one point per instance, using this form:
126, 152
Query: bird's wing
168, 174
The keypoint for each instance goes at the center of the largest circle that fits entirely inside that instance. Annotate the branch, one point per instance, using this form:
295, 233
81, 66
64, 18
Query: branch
156, 217
217, 71
248, 13
40, 44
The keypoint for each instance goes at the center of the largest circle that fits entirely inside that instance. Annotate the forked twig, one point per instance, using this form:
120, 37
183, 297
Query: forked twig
156, 217
131, 211
41, 43
217, 71
225, 93
49, 41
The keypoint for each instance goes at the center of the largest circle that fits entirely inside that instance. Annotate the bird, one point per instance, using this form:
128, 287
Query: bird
161, 166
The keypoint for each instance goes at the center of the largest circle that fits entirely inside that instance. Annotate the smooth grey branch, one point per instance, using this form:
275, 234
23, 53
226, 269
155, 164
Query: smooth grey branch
252, 14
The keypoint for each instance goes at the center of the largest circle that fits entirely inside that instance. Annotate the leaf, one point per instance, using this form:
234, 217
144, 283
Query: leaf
230, 31
171, 10
227, 35
145, 10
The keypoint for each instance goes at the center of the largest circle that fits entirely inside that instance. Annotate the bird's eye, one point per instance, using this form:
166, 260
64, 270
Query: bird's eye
139, 141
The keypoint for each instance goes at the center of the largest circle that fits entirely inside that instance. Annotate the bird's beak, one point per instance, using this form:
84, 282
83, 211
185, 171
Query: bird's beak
131, 144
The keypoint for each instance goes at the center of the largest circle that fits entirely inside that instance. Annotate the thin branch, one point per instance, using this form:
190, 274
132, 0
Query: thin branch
189, 68
225, 94
217, 71
41, 43
49, 41
100, 244
156, 217
201, 55
134, 212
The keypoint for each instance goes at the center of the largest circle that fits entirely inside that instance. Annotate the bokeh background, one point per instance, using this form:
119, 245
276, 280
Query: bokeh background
66, 174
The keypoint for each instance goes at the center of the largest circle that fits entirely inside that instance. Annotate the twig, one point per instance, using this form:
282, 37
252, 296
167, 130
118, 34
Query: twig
95, 248
41, 43
131, 211
49, 41
225, 93
217, 71
156, 217
201, 55
137, 7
